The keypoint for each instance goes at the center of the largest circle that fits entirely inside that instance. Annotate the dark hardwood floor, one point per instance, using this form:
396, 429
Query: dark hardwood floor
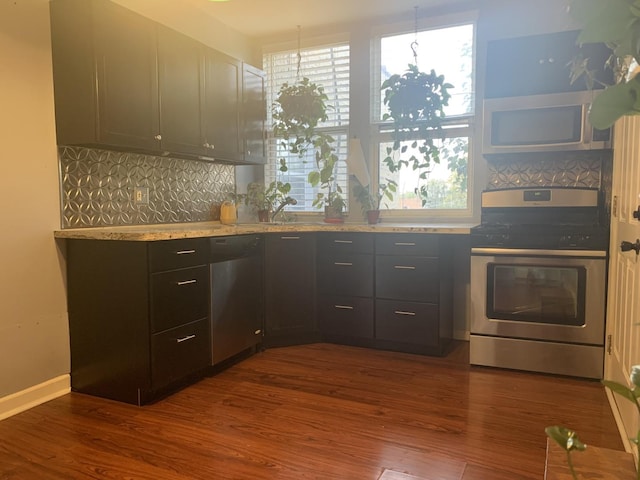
315, 412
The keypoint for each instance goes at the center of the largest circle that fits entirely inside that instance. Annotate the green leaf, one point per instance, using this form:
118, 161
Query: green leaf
621, 390
566, 438
314, 178
603, 21
614, 102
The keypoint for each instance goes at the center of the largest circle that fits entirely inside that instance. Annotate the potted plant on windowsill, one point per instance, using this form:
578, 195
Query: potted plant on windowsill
369, 202
264, 199
415, 101
297, 111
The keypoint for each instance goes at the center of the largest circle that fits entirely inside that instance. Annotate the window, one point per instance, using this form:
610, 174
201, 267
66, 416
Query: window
446, 186
328, 66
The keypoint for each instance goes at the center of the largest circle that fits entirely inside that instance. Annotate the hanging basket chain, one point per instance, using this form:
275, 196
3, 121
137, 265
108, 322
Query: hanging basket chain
414, 44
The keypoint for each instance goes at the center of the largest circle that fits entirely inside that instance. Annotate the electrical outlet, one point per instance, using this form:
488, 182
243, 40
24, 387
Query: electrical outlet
141, 196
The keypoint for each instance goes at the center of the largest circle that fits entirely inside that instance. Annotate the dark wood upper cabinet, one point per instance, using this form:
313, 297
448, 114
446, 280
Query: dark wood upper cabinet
105, 75
124, 82
254, 115
541, 64
180, 84
222, 102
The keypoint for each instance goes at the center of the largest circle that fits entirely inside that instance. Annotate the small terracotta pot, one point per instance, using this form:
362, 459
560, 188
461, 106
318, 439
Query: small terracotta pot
373, 216
263, 215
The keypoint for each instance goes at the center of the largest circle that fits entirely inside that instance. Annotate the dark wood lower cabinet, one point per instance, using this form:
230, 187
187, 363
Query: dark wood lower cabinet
290, 290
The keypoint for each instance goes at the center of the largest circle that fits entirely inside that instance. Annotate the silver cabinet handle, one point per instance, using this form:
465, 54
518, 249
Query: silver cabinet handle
185, 252
405, 244
343, 264
158, 137
187, 282
289, 238
409, 314
404, 267
343, 241
344, 307
184, 339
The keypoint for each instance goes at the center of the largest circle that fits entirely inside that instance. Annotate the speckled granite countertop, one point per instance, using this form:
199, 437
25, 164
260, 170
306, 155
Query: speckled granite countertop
170, 231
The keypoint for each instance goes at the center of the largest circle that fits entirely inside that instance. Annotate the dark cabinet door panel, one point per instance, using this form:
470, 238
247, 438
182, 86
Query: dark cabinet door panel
407, 322
174, 254
179, 352
346, 316
178, 297
333, 243
254, 111
407, 244
407, 278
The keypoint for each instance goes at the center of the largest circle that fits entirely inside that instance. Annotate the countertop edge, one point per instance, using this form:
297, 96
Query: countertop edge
158, 232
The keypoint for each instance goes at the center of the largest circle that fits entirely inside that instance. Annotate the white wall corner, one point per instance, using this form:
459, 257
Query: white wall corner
35, 395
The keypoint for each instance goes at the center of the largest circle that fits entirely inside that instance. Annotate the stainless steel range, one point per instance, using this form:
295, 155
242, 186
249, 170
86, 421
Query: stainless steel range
538, 281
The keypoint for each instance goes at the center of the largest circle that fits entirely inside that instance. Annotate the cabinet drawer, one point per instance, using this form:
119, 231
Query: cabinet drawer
179, 297
346, 274
407, 322
407, 244
407, 278
346, 316
345, 243
174, 254
179, 352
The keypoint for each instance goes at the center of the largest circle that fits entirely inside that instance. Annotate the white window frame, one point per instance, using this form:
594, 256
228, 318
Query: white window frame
459, 125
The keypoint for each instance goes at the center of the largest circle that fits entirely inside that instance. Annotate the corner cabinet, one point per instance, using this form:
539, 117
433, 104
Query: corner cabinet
138, 316
290, 289
132, 84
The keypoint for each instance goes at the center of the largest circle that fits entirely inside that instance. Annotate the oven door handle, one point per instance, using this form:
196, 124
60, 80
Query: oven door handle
528, 252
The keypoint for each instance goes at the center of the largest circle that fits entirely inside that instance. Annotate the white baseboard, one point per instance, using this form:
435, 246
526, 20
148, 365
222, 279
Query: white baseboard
33, 396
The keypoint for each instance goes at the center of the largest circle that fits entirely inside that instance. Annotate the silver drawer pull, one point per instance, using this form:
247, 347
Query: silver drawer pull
343, 264
187, 282
184, 339
405, 244
289, 238
408, 314
343, 241
185, 252
344, 307
404, 267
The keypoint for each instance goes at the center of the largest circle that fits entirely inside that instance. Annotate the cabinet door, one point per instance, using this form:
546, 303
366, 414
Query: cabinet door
346, 317
408, 278
179, 79
127, 78
254, 114
290, 289
407, 322
345, 274
221, 110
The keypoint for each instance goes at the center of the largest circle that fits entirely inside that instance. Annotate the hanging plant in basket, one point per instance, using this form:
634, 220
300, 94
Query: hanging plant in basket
297, 111
415, 101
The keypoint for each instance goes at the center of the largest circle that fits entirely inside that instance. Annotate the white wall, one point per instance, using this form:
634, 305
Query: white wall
34, 344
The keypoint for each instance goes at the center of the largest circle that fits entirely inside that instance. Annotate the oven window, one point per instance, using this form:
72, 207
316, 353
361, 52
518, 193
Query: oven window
530, 293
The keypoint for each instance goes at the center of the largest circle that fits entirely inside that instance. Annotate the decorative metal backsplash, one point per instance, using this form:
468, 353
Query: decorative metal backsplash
574, 169
98, 188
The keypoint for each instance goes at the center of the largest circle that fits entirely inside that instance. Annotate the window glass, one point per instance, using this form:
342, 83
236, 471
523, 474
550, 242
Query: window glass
327, 66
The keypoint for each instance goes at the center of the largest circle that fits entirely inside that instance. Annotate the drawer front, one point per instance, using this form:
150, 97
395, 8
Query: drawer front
346, 274
407, 278
346, 316
407, 322
179, 352
407, 244
174, 254
333, 242
179, 297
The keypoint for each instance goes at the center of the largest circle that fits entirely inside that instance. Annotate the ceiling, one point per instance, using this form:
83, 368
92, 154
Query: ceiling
261, 18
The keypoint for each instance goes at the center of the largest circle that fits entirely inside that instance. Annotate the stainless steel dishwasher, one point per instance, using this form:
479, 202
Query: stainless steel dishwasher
236, 295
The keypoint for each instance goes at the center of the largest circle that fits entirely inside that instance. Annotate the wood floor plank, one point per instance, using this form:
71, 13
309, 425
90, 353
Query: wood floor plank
315, 412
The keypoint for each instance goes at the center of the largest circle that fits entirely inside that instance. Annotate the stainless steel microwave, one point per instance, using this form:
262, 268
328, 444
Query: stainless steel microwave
541, 123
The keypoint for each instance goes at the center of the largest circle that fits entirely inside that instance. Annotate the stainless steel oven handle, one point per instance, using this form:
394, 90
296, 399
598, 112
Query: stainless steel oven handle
528, 252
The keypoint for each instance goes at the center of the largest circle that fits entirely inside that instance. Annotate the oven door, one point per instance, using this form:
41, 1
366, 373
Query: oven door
553, 295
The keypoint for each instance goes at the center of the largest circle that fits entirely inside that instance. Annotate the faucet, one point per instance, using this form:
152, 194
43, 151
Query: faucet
285, 202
